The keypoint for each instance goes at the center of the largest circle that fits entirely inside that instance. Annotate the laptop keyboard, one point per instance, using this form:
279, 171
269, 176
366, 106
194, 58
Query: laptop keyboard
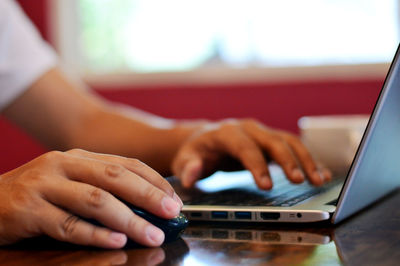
283, 194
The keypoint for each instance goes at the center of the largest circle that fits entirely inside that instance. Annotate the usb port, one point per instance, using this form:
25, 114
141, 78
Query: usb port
270, 237
195, 214
243, 215
219, 215
198, 233
243, 235
220, 234
270, 215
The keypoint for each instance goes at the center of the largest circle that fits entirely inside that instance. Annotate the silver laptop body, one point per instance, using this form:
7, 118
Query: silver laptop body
374, 173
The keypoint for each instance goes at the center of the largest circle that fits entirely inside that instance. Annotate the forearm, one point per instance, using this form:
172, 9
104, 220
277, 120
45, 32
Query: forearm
129, 132
63, 114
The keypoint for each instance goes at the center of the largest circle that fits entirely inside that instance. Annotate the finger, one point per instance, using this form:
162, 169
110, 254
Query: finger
135, 166
64, 226
92, 202
281, 153
184, 155
122, 183
326, 173
191, 172
277, 149
244, 149
313, 173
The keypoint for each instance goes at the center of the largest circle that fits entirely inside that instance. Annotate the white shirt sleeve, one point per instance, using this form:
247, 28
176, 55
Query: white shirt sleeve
24, 55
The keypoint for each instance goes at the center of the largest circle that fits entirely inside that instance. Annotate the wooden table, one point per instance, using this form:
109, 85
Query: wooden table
372, 237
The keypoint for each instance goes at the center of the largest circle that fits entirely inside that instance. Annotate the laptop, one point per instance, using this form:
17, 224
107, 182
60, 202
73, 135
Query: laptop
374, 173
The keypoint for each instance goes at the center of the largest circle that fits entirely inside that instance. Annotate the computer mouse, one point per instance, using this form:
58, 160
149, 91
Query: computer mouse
172, 228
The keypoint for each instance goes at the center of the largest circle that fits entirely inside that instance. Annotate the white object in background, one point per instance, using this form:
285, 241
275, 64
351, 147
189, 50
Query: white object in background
333, 140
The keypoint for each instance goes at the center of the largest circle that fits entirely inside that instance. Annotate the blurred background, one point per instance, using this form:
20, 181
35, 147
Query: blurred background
274, 61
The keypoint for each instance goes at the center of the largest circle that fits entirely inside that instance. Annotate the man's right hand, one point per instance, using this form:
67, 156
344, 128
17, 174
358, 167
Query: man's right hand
50, 193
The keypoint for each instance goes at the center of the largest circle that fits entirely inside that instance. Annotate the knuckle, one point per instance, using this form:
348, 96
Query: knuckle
137, 164
93, 236
230, 121
277, 137
228, 126
246, 147
68, 226
114, 170
276, 143
132, 223
246, 150
51, 156
97, 198
161, 182
250, 123
281, 151
75, 151
149, 193
289, 165
226, 131
289, 137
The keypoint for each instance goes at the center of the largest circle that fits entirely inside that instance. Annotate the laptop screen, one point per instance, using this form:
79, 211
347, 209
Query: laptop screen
376, 168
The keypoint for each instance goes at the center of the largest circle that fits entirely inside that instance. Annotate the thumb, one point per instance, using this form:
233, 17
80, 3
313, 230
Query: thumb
191, 172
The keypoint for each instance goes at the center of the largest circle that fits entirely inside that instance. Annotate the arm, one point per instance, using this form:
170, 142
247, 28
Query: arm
66, 115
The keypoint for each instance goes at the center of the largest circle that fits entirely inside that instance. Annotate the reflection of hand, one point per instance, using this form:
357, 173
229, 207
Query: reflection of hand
246, 141
149, 256
36, 257
83, 258
43, 196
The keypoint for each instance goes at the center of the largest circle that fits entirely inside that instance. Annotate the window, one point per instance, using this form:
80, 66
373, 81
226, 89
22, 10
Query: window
172, 36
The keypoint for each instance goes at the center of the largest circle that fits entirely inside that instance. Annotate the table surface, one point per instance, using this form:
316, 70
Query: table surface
371, 237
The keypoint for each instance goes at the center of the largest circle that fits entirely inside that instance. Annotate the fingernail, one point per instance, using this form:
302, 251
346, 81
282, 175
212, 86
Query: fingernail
155, 235
178, 199
317, 176
327, 175
266, 182
321, 175
118, 239
298, 175
171, 206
